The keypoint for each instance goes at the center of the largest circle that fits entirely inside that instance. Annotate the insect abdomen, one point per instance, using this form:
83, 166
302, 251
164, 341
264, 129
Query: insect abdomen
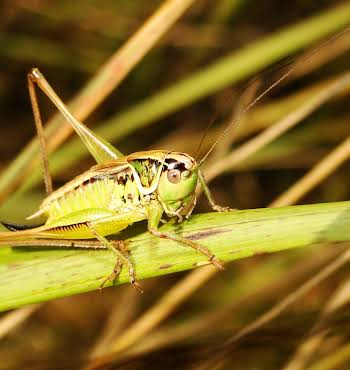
102, 193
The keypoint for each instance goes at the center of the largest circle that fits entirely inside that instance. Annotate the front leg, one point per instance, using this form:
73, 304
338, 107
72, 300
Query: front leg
154, 215
207, 192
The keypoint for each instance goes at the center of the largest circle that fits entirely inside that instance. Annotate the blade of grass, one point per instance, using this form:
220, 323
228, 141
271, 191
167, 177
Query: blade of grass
33, 275
156, 314
340, 356
15, 319
318, 332
232, 68
316, 175
271, 133
279, 275
116, 321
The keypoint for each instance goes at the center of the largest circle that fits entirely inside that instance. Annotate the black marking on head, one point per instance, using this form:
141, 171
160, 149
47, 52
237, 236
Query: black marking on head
174, 164
16, 227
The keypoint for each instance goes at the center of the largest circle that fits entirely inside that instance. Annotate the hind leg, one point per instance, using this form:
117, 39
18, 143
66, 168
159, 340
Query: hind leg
121, 259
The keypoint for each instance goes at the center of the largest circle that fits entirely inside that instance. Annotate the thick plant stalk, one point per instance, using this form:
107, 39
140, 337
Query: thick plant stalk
36, 274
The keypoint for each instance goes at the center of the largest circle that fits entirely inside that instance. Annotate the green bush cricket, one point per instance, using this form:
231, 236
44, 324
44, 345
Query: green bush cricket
112, 195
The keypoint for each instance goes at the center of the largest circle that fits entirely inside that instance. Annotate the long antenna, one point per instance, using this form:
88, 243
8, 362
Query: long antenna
209, 125
271, 87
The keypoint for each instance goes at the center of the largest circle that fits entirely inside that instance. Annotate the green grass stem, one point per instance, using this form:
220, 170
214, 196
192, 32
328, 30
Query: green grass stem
31, 275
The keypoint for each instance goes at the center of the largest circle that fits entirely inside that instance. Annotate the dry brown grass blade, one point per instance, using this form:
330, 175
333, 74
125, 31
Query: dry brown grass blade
14, 319
249, 94
317, 334
323, 55
156, 314
317, 174
331, 51
117, 319
279, 128
205, 322
340, 356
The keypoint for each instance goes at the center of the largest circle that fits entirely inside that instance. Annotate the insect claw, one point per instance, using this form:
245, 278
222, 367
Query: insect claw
217, 263
137, 286
113, 275
221, 209
103, 283
179, 219
110, 278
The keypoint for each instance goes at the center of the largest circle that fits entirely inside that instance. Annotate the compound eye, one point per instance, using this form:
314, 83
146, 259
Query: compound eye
174, 176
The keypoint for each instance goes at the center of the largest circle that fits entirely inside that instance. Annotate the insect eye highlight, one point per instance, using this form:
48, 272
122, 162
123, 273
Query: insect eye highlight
174, 176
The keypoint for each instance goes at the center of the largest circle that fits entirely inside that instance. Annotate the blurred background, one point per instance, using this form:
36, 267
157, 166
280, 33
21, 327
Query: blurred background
69, 41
